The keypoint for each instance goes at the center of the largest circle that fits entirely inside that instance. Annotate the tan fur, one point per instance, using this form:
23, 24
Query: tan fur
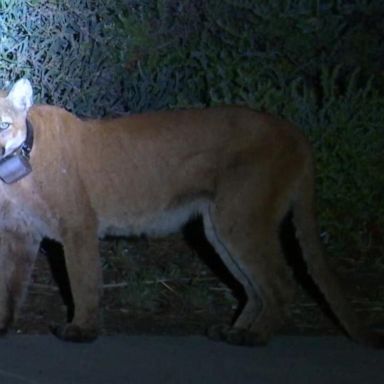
242, 171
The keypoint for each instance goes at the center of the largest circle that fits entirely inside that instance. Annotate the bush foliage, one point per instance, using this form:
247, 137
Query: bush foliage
317, 62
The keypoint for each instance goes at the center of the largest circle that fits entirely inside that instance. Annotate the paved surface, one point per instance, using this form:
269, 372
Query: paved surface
160, 359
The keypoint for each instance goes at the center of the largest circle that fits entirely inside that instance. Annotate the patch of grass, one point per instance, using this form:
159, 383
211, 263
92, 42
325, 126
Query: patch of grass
161, 276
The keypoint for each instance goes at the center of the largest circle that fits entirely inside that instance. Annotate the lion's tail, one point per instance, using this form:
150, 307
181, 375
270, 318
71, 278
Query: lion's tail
307, 233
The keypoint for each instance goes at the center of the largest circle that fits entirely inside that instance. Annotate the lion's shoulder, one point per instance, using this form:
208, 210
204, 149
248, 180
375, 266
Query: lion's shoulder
44, 114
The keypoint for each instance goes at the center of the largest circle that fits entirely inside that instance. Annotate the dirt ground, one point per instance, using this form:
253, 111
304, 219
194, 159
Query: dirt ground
162, 287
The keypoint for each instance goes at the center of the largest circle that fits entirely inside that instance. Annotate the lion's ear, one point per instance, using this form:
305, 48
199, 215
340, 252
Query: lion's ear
21, 95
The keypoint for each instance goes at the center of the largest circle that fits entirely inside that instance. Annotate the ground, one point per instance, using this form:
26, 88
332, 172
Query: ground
161, 286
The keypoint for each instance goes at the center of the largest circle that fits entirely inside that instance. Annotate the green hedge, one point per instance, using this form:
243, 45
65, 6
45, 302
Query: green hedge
317, 62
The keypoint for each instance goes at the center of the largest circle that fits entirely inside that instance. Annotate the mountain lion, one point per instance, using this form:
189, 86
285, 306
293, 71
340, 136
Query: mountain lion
240, 170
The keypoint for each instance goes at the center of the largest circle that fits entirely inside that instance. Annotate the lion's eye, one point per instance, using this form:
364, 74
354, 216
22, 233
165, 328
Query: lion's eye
4, 125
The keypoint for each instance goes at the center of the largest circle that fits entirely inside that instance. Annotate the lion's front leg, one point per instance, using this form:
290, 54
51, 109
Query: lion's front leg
84, 272
17, 255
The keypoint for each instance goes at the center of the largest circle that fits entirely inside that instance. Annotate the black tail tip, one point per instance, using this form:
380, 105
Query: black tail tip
373, 339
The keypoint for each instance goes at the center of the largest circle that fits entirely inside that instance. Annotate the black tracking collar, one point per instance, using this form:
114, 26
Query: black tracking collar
16, 165
26, 148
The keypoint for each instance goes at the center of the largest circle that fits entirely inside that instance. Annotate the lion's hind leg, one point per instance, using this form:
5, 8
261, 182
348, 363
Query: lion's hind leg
247, 241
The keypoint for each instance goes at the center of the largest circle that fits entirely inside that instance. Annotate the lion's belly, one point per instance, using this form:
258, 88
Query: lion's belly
160, 222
